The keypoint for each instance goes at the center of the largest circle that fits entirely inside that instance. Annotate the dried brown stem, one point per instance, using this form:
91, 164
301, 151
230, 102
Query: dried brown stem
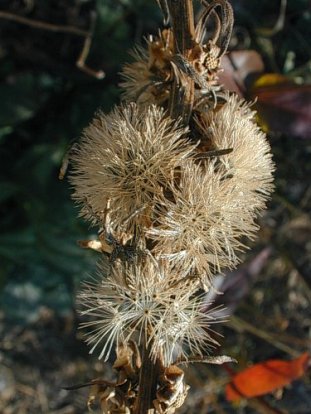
147, 387
87, 34
182, 91
39, 24
180, 105
99, 74
182, 20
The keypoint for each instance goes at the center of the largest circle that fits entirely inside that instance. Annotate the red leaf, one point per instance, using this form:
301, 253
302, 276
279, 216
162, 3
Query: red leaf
282, 105
265, 377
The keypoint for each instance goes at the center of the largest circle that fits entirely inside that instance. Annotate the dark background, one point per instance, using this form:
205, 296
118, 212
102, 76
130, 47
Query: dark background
45, 102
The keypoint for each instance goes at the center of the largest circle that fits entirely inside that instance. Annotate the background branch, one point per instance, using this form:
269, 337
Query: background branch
38, 24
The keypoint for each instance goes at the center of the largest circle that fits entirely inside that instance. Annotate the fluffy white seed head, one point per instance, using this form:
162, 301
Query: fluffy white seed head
126, 159
250, 164
200, 231
144, 301
184, 330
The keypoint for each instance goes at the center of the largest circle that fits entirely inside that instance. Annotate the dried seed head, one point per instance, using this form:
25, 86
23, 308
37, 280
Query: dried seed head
199, 232
125, 159
144, 302
147, 79
184, 329
249, 165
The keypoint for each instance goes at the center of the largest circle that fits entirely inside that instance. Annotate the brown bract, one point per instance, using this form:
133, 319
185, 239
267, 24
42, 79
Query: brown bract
149, 78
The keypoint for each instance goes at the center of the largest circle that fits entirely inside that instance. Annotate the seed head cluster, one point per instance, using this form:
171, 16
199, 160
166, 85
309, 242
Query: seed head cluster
183, 199
190, 214
146, 80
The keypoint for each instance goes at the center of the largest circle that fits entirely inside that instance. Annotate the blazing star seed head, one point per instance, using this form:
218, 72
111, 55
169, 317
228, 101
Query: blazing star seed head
124, 161
184, 329
200, 231
144, 301
147, 79
249, 165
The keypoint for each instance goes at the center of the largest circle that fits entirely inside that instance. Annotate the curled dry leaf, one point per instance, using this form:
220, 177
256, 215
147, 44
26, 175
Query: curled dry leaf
283, 105
265, 377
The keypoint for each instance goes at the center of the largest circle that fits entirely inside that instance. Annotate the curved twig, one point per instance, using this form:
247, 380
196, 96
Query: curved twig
39, 24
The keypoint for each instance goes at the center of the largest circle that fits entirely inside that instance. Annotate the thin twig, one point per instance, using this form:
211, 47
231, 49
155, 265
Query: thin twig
279, 24
95, 382
39, 24
99, 74
213, 153
87, 34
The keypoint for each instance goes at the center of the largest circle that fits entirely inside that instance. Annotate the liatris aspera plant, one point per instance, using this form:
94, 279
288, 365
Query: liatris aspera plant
174, 178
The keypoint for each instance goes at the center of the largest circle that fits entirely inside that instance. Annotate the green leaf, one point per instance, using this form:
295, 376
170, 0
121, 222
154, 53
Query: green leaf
21, 97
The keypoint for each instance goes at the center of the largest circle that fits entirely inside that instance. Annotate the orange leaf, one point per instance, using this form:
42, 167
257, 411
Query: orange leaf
265, 377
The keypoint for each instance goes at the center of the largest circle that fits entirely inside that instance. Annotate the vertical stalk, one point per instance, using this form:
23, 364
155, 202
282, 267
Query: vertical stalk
180, 105
182, 91
147, 387
182, 21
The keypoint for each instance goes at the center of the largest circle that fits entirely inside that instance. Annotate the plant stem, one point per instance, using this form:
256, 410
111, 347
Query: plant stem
182, 91
181, 12
180, 105
147, 387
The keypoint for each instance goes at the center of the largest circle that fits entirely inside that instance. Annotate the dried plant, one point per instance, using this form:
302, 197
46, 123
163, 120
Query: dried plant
126, 159
144, 302
174, 178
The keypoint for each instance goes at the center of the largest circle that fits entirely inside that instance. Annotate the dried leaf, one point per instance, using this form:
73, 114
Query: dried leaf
266, 377
218, 360
283, 105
